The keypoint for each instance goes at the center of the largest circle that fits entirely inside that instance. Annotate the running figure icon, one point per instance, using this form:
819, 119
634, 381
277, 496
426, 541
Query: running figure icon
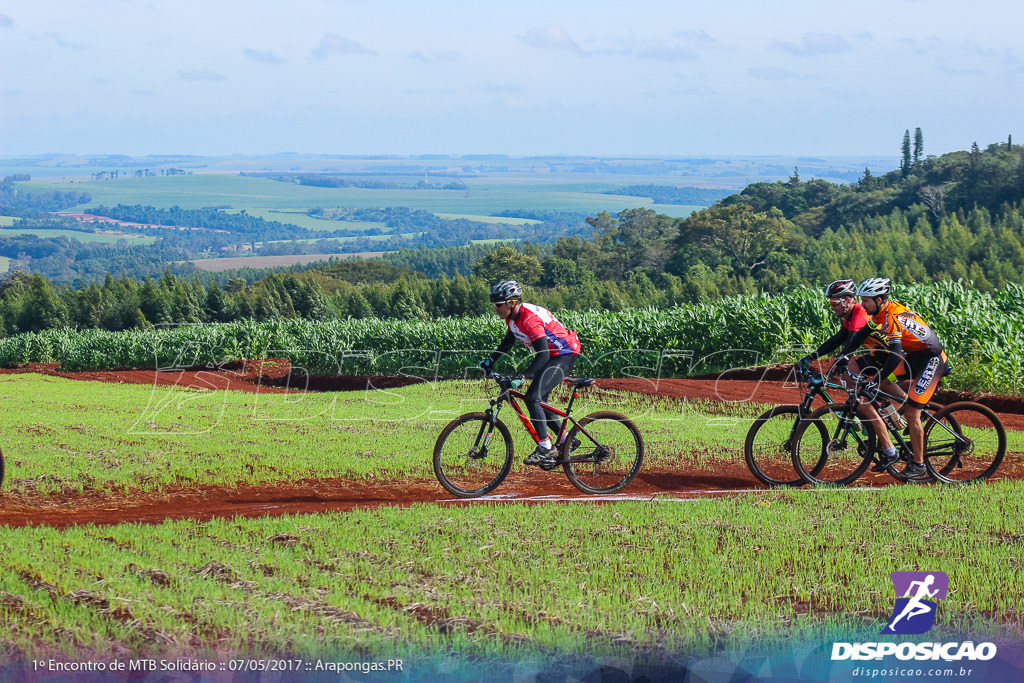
914, 609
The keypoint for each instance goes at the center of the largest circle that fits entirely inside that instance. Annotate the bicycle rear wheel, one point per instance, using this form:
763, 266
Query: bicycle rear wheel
609, 456
964, 443
471, 457
767, 447
833, 445
1, 468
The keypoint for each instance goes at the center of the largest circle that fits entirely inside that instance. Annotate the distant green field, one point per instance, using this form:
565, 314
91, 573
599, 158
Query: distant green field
489, 219
238, 192
7, 221
349, 238
494, 241
84, 237
5, 264
216, 265
300, 218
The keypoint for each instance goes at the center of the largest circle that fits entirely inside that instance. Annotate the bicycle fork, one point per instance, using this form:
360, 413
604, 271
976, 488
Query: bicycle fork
483, 437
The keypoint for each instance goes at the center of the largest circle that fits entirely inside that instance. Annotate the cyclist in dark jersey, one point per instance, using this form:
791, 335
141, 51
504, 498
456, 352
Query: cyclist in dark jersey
905, 347
555, 351
851, 315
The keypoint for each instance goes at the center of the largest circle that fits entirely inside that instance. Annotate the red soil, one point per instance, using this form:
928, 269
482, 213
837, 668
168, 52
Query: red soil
324, 495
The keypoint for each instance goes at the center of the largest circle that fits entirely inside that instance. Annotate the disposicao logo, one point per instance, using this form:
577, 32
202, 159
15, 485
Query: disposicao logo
913, 614
915, 608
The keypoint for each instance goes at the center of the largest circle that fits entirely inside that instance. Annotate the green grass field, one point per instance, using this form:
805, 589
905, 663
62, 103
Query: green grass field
300, 218
216, 265
7, 221
513, 580
124, 435
83, 237
238, 192
489, 219
497, 581
5, 264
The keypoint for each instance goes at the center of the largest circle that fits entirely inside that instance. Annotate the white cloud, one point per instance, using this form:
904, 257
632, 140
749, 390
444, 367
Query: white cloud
550, 37
815, 44
332, 43
262, 56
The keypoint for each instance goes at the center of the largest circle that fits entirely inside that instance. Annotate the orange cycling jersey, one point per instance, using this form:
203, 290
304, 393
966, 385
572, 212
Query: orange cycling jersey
894, 322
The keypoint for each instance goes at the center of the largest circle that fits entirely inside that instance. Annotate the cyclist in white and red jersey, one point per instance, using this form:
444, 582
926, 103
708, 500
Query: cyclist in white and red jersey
555, 351
852, 317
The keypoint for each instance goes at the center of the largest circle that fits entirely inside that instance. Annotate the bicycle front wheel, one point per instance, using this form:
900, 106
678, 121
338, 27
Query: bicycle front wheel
833, 445
609, 455
767, 448
964, 443
473, 455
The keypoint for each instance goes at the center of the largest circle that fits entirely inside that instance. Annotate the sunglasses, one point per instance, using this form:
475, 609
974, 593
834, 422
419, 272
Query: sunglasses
835, 302
501, 303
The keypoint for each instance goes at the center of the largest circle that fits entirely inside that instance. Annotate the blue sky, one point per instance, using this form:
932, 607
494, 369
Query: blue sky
732, 77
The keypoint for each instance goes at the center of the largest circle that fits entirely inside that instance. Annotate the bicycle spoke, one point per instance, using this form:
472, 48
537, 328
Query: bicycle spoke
767, 447
610, 458
466, 465
831, 446
964, 443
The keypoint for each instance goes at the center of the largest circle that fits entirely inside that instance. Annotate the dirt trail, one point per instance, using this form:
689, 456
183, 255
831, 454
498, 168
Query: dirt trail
326, 495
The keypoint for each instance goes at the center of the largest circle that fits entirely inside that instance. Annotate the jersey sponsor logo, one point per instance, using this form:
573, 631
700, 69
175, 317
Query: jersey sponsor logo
913, 326
925, 380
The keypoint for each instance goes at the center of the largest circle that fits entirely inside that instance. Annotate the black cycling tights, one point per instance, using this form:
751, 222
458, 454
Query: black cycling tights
549, 377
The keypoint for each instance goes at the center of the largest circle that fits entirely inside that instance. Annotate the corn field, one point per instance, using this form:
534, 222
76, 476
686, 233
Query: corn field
983, 335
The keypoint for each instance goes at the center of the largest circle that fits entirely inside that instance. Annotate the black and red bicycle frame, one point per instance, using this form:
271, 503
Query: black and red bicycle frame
510, 395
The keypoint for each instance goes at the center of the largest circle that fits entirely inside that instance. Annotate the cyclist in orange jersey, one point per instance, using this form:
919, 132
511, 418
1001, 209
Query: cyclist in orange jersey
903, 344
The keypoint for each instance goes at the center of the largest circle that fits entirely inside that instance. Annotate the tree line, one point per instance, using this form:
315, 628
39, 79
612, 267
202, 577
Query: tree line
767, 238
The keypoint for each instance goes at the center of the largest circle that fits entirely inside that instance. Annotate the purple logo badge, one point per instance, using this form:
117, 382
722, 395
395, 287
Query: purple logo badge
914, 612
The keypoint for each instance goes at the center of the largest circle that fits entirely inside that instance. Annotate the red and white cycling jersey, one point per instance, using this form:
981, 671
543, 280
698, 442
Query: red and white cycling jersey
536, 322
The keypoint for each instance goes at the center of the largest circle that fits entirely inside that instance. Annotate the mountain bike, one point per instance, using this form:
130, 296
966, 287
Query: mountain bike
601, 453
964, 442
767, 446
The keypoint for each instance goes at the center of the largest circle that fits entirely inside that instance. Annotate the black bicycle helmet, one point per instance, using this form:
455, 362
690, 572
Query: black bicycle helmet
841, 288
506, 290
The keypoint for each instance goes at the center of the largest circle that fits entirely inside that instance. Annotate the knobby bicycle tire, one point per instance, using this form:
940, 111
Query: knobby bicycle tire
612, 461
965, 444
1, 468
768, 443
842, 455
458, 464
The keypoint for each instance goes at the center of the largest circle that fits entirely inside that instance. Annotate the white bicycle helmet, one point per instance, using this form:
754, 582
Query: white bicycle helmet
875, 286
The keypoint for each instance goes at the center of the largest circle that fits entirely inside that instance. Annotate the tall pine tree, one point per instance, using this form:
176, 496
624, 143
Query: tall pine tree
918, 146
905, 161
